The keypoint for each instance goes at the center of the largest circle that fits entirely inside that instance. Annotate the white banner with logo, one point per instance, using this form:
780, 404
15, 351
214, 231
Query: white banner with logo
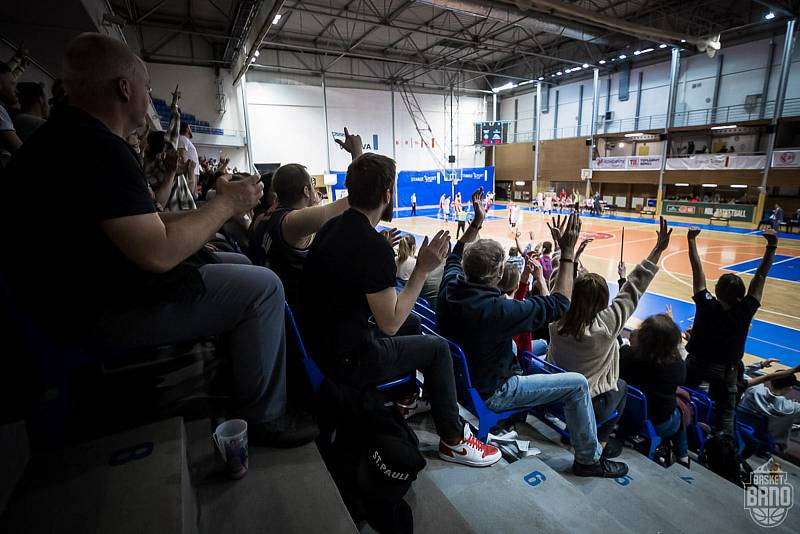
704, 162
786, 158
627, 163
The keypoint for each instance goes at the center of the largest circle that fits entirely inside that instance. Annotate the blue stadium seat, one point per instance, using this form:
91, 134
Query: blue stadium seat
468, 396
427, 315
704, 414
634, 422
315, 376
548, 412
761, 436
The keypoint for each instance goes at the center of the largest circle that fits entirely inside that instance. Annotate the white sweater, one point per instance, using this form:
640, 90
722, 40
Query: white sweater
596, 354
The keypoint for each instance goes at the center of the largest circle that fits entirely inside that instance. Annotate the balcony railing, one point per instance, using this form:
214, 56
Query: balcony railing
698, 117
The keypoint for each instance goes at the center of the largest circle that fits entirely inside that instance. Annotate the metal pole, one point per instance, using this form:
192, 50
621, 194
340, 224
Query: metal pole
639, 102
717, 84
537, 116
780, 97
762, 108
673, 81
327, 129
595, 107
394, 134
579, 118
249, 152
494, 118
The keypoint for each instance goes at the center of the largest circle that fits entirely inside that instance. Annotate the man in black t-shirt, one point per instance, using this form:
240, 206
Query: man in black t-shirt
117, 276
281, 240
720, 328
350, 304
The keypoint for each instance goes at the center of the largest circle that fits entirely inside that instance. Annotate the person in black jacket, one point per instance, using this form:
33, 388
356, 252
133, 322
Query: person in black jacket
472, 312
653, 364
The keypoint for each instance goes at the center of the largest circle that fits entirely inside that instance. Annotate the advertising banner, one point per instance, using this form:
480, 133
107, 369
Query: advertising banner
786, 158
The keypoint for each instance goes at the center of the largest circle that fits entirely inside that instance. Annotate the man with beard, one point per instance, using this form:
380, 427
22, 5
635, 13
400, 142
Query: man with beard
354, 319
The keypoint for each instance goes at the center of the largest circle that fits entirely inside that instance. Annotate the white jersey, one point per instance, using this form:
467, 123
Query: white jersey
548, 203
515, 214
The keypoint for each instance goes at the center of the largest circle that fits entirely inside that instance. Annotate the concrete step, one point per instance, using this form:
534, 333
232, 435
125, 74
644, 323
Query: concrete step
285, 490
528, 496
672, 504
78, 490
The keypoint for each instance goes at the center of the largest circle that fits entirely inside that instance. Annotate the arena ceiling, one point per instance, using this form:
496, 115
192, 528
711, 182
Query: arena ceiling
434, 43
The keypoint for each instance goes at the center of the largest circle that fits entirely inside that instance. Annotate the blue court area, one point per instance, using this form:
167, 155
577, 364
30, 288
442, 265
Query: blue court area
784, 268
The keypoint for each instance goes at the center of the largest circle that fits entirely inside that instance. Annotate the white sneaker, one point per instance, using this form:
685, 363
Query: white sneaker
469, 451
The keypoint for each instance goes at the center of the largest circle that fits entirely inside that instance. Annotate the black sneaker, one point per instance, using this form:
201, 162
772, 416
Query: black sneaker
603, 468
289, 430
612, 449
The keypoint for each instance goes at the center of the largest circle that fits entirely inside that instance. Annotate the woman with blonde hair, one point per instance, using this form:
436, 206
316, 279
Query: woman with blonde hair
406, 259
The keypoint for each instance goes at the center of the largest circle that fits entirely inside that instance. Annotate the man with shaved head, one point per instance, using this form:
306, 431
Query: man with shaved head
119, 274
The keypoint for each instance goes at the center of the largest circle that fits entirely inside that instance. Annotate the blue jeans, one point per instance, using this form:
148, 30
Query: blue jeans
570, 388
673, 429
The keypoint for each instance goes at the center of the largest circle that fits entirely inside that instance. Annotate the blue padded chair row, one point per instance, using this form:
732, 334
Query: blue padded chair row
760, 436
468, 396
315, 376
547, 412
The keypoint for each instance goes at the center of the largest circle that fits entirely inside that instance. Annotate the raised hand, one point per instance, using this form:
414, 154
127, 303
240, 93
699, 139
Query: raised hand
393, 236
565, 232
668, 310
662, 241
622, 270
477, 207
582, 247
241, 195
693, 233
772, 238
432, 254
170, 161
352, 143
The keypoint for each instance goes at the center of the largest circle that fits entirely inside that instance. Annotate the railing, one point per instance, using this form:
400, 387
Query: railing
697, 117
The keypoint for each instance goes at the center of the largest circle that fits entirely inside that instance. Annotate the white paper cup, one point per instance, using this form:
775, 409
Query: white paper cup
231, 440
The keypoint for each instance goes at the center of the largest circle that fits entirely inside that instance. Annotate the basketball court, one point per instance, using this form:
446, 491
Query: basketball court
776, 329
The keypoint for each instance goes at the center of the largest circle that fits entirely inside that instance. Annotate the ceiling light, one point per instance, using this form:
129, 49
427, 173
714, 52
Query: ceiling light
585, 65
602, 61
646, 50
277, 18
739, 186
620, 144
769, 16
559, 73
541, 78
723, 127
683, 40
682, 185
709, 185
637, 52
256, 53
519, 183
252, 60
634, 134
662, 45
622, 56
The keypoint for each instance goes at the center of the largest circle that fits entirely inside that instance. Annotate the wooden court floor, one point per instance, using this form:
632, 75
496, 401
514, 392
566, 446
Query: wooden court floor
720, 252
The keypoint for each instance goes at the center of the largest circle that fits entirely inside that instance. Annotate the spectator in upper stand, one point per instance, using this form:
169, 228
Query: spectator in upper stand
33, 109
473, 313
281, 241
187, 151
362, 310
9, 140
766, 395
406, 259
141, 279
653, 363
585, 339
776, 218
719, 332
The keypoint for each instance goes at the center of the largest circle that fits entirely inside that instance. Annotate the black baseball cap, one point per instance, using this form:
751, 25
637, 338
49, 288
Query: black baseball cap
388, 468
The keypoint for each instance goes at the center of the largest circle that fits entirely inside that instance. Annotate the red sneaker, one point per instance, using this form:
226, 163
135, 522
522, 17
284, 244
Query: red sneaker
469, 451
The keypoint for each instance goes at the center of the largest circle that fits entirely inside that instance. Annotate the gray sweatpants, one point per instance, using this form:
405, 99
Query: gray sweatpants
243, 303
